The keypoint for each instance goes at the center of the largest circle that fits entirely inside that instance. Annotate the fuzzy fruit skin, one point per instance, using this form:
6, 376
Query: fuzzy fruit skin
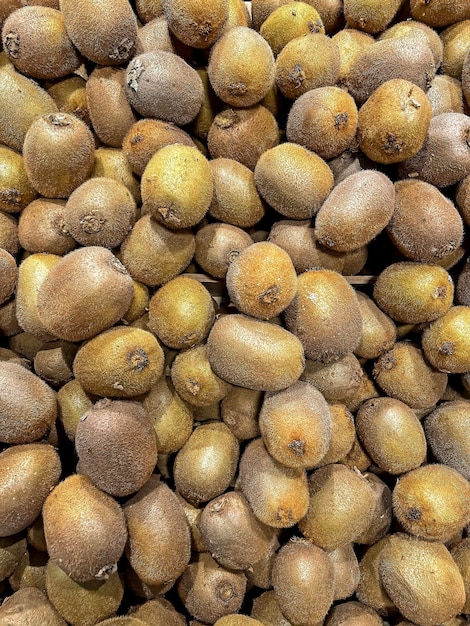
446, 342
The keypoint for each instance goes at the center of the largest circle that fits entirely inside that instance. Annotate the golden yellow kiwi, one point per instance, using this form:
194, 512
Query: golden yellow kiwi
341, 506
70, 96
110, 112
89, 291
447, 434
325, 315
243, 134
159, 609
162, 85
296, 566
41, 228
241, 67
422, 579
351, 43
58, 154
217, 244
370, 590
8, 275
85, 529
378, 330
370, 16
177, 186
461, 554
289, 21
205, 466
391, 434
439, 13
324, 120
105, 33
414, 292
73, 402
425, 225
37, 43
432, 502
239, 410
196, 23
16, 191
29, 604
253, 353
353, 612
139, 303
112, 163
337, 380
159, 544
393, 123
122, 362
404, 373
293, 181
9, 233
413, 30
83, 603
278, 495
445, 342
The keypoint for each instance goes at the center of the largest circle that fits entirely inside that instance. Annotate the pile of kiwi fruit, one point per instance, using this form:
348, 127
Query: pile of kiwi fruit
234, 313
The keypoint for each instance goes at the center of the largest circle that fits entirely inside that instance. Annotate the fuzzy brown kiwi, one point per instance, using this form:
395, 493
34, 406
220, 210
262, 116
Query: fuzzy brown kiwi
437, 14
238, 15
461, 555
8, 319
211, 105
73, 402
112, 163
462, 198
16, 191
239, 410
432, 502
37, 43
58, 154
455, 39
297, 564
354, 614
288, 22
217, 244
235, 619
70, 96
159, 610
139, 303
12, 550
243, 134
29, 604
462, 289
324, 120
260, 574
369, 16
336, 380
343, 434
378, 330
382, 517
465, 78
41, 228
422, 579
8, 275
195, 23
370, 590
148, 10
53, 363
346, 571
253, 353
351, 43
391, 434
412, 30
9, 233
206, 464
266, 609
89, 291
445, 341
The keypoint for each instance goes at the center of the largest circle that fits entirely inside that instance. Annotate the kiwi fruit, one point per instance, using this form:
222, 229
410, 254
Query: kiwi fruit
378, 330
370, 590
438, 14
112, 163
260, 574
455, 39
354, 614
422, 579
238, 15
336, 380
368, 16
148, 10
205, 466
346, 571
211, 105
139, 303
194, 23
8, 274
462, 198
104, 33
9, 233
343, 434
253, 353
53, 363
159, 610
293, 181
12, 550
156, 35
8, 319
69, 94
351, 43
162, 85
277, 494
324, 120
460, 553
303, 581
445, 341
16, 191
413, 30
29, 604
235, 619
41, 228
217, 244
266, 610
288, 22
239, 411
465, 78
382, 517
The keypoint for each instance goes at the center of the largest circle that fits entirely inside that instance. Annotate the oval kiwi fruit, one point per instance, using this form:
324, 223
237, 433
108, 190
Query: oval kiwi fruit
41, 228
16, 192
437, 14
29, 604
217, 244
445, 341
194, 23
8, 275
378, 330
336, 380
288, 22
369, 16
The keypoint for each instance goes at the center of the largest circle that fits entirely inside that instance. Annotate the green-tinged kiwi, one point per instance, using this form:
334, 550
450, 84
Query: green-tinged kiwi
41, 228
414, 292
205, 466
447, 130
425, 225
195, 23
73, 402
139, 303
85, 529
58, 154
12, 550
16, 191
116, 446
253, 353
261, 280
105, 33
278, 495
69, 94
112, 163
448, 434
370, 590
289, 21
235, 199
100, 212
391, 434
404, 373
324, 120
181, 313
121, 362
171, 416
28, 406
266, 610
83, 604
378, 330
365, 198
177, 186
159, 611
243, 134
461, 555
382, 517
293, 180
336, 380
432, 502
231, 533
109, 110
239, 409
209, 591
343, 434
446, 341
159, 544
8, 275
29, 606
371, 17
241, 67
303, 582
217, 244
307, 62
9, 233
353, 614
84, 293
37, 43
351, 43
295, 424
346, 571
325, 315
341, 506
53, 363
411, 30
154, 254
440, 13
422, 579
162, 85
386, 60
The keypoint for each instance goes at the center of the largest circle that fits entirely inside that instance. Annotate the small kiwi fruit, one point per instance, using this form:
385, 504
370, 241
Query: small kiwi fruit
235, 619
73, 402
369, 16
445, 95
12, 550
461, 555
266, 609
343, 434
159, 610
195, 23
353, 613
29, 604
382, 517
288, 22
69, 94
8, 275
112, 163
445, 341
9, 233
217, 244
156, 35
346, 571
336, 380
239, 410
16, 192
41, 228
465, 78
53, 363
370, 590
